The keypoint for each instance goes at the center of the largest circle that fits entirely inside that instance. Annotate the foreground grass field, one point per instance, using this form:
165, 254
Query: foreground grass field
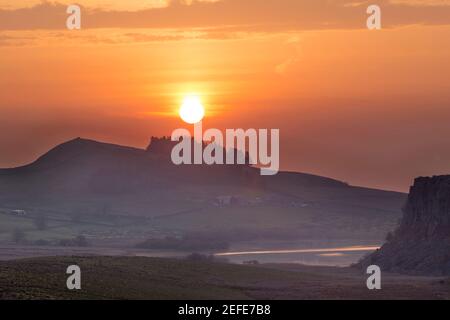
151, 278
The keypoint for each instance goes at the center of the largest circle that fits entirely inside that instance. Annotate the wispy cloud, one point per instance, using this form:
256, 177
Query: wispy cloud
113, 36
294, 45
268, 15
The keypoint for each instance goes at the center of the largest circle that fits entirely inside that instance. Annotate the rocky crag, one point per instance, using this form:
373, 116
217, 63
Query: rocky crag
421, 243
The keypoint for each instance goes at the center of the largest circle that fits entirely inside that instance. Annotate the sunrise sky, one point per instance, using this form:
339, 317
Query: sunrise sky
371, 108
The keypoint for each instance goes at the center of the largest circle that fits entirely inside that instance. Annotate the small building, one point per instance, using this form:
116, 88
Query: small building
223, 201
19, 212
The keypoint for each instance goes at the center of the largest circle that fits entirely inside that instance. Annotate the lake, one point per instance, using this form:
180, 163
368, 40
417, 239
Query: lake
320, 255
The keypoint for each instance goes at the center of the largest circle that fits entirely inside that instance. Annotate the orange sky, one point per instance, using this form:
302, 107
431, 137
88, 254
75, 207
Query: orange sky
368, 107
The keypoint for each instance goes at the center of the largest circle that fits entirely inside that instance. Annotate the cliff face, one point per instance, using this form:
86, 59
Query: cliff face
427, 212
421, 244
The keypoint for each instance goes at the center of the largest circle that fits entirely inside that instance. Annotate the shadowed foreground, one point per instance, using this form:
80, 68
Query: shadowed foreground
151, 278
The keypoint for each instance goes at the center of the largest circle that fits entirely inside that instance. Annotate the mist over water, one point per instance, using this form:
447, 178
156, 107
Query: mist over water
323, 256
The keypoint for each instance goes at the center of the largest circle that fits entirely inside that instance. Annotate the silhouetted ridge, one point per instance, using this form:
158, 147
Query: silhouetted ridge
86, 166
74, 150
85, 157
161, 146
310, 180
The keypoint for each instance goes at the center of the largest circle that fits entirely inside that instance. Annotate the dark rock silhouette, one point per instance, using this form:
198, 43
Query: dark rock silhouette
162, 146
421, 243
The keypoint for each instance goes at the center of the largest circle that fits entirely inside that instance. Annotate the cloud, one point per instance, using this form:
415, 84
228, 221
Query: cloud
425, 3
110, 36
294, 45
7, 40
128, 5
267, 15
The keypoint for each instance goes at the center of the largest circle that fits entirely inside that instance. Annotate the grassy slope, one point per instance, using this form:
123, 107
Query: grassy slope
333, 214
150, 278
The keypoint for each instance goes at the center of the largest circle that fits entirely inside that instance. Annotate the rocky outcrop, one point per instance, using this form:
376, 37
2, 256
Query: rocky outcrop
162, 146
421, 244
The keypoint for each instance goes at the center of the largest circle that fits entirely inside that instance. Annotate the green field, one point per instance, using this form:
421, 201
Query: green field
152, 278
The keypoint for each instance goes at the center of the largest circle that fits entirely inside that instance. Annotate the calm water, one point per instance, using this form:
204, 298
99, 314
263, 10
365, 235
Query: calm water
337, 256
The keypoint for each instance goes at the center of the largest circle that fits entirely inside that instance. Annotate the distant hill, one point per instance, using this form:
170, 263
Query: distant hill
89, 181
421, 244
90, 166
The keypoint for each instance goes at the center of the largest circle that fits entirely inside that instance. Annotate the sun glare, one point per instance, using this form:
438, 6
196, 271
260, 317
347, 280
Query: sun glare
192, 110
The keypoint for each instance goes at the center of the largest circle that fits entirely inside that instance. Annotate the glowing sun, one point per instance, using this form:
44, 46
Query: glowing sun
192, 110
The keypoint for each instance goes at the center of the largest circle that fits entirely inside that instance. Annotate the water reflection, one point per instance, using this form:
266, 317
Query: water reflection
326, 250
339, 256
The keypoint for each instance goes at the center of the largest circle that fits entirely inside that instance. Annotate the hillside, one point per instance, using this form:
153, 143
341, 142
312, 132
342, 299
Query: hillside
125, 194
149, 278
